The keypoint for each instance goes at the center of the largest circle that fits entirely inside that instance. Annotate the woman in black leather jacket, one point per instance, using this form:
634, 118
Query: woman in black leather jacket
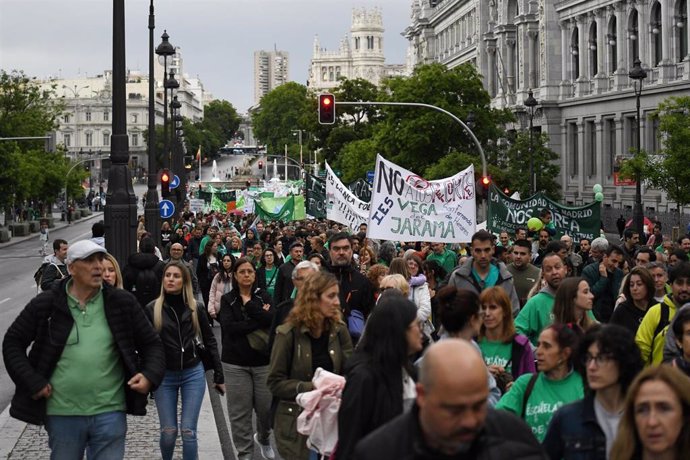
185, 332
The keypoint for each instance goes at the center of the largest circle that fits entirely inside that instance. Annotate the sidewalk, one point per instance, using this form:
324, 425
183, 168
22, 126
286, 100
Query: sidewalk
58, 225
19, 440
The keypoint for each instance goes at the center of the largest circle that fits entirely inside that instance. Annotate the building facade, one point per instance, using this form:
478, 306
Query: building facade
271, 69
575, 55
359, 55
85, 126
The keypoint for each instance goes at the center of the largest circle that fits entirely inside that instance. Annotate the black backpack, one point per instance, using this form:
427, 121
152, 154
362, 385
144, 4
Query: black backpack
38, 276
147, 287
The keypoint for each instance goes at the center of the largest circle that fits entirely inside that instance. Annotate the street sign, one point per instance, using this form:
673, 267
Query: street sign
370, 177
322, 173
175, 182
167, 209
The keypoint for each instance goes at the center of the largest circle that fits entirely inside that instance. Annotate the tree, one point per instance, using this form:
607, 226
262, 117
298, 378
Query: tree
668, 171
26, 110
222, 119
518, 161
281, 111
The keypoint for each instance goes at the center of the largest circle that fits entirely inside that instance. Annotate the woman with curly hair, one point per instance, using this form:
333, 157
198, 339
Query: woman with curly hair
367, 259
313, 336
656, 417
375, 276
609, 360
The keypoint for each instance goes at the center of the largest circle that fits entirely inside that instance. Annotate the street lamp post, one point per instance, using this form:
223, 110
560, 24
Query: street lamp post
531, 103
637, 74
165, 49
151, 212
121, 206
170, 84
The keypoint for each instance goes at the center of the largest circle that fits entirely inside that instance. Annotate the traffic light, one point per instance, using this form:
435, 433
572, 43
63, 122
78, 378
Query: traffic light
486, 181
248, 184
483, 185
506, 191
261, 165
165, 183
326, 109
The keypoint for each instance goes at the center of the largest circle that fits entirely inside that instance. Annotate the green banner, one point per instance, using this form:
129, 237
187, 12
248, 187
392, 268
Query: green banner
225, 196
508, 214
316, 197
285, 208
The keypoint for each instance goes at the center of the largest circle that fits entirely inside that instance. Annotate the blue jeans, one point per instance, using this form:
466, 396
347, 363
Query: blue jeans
102, 436
191, 384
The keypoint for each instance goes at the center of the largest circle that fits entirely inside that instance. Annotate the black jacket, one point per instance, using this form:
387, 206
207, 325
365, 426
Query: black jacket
52, 274
575, 434
504, 436
137, 263
237, 320
178, 336
45, 324
356, 292
284, 286
367, 403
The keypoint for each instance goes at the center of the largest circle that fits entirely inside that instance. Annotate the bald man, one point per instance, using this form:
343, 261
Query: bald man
451, 418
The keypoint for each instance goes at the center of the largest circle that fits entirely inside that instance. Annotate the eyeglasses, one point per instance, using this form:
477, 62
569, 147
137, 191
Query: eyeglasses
600, 359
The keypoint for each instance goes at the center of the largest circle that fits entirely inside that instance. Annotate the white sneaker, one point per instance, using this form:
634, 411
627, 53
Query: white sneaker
266, 450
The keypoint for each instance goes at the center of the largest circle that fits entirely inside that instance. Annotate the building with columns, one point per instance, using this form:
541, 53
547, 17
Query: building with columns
575, 55
359, 55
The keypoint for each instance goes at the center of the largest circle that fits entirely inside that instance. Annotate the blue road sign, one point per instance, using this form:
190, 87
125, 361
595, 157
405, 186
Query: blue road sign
370, 177
175, 182
167, 209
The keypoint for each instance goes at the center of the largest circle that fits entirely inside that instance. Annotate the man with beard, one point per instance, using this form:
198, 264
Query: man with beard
525, 275
451, 418
356, 293
604, 281
537, 312
652, 330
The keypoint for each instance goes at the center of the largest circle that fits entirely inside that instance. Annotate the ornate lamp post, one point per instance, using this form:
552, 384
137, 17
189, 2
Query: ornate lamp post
164, 50
170, 84
637, 74
531, 103
121, 205
151, 212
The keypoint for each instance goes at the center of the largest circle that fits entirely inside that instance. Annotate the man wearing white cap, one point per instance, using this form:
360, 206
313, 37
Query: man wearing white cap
94, 356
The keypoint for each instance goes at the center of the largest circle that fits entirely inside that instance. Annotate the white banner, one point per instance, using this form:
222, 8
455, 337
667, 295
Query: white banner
407, 207
343, 206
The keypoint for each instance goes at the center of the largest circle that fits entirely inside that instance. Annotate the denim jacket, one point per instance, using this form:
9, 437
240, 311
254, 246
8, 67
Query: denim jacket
574, 433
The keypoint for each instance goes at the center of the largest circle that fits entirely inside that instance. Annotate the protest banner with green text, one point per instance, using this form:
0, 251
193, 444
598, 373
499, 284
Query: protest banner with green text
407, 207
508, 214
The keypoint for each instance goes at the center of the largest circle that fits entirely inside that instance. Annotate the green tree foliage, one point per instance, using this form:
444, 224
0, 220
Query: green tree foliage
282, 111
29, 173
221, 118
668, 171
516, 176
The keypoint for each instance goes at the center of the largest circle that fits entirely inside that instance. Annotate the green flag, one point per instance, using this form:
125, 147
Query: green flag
285, 213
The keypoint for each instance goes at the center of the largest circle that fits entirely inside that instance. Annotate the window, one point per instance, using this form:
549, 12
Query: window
610, 127
612, 44
67, 118
87, 115
574, 148
135, 118
654, 138
106, 116
591, 147
575, 52
89, 139
135, 140
106, 138
633, 36
593, 52
630, 134
681, 29
67, 140
657, 32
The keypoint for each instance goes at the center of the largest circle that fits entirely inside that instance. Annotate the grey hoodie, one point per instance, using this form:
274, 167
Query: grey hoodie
462, 278
670, 348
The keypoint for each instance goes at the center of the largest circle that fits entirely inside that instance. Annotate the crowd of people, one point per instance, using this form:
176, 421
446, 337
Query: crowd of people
516, 345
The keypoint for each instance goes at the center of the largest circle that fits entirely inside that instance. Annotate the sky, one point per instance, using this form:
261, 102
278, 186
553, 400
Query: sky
73, 38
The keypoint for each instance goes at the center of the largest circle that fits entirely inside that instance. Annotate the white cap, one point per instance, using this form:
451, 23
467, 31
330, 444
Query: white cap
82, 250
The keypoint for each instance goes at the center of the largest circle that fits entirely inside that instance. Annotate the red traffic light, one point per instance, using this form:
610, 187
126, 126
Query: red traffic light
506, 190
261, 164
165, 183
486, 181
326, 109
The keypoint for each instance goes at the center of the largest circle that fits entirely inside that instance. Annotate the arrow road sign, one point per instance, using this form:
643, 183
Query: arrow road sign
175, 182
167, 209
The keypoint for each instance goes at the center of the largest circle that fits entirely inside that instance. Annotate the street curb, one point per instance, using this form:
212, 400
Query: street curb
60, 225
10, 431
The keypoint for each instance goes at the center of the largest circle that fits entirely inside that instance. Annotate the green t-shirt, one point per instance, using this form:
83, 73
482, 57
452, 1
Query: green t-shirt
271, 276
535, 316
497, 353
546, 398
447, 260
89, 377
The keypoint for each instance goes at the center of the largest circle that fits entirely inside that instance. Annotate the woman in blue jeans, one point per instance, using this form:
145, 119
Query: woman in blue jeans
185, 331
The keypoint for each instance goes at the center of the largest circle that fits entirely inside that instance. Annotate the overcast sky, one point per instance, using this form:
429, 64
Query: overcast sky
69, 38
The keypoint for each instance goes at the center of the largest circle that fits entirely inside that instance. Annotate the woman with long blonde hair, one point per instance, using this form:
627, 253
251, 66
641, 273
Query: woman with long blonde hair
186, 335
313, 336
111, 271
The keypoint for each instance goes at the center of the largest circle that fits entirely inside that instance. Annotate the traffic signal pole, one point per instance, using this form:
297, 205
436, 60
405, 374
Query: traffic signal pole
438, 109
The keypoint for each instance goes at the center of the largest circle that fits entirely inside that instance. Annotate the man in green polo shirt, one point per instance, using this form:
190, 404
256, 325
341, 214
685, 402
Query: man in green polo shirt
94, 356
445, 257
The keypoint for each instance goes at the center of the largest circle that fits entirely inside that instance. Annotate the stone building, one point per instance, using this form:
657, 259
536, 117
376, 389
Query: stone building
270, 71
575, 55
